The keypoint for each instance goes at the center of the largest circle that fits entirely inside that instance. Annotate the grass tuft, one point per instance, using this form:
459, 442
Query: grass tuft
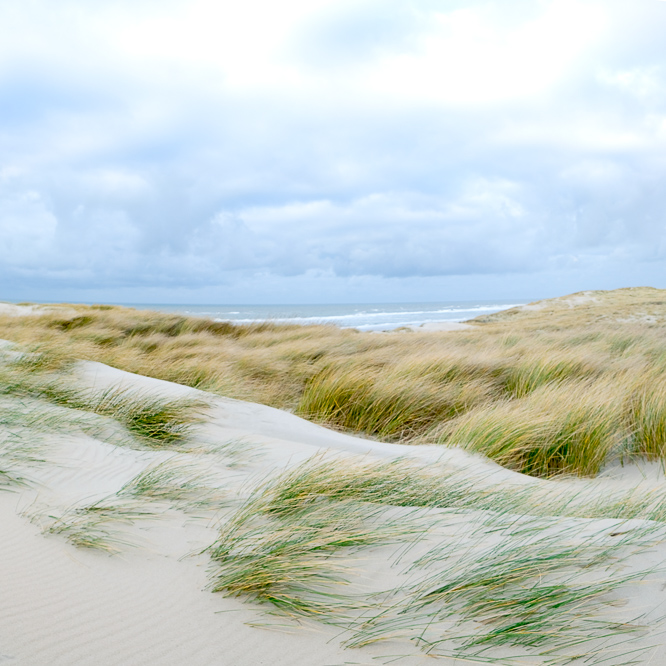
299, 565
510, 374
402, 483
156, 421
362, 400
567, 428
647, 417
94, 526
179, 483
502, 587
534, 592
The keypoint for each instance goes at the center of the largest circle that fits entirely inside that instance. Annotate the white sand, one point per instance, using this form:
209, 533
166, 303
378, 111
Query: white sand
442, 326
149, 605
571, 301
17, 310
24, 310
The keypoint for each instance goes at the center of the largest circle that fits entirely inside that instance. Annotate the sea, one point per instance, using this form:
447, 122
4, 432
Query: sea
362, 316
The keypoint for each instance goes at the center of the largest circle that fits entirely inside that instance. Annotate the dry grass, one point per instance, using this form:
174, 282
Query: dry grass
497, 586
559, 388
402, 483
647, 417
94, 526
568, 427
152, 420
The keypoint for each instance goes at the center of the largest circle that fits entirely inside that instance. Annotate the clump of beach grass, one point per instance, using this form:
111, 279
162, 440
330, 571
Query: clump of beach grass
179, 483
96, 526
505, 586
562, 428
537, 591
27, 417
154, 420
39, 359
300, 565
360, 399
529, 374
403, 483
510, 368
647, 419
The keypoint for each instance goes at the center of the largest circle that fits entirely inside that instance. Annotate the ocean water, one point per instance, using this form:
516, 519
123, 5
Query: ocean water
364, 317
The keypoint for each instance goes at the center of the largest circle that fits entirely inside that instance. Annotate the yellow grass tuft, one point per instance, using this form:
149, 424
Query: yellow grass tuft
555, 388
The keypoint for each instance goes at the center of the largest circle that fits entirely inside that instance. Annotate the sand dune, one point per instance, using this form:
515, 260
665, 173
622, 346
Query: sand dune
149, 603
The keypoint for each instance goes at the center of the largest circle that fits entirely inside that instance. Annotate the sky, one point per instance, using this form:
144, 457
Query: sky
330, 151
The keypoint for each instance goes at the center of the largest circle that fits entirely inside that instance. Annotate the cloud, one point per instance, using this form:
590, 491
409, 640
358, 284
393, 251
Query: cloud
195, 145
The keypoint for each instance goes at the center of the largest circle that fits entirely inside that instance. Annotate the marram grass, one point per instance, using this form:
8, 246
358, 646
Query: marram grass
179, 483
503, 586
515, 378
361, 400
647, 418
96, 526
540, 593
570, 427
300, 564
153, 420
403, 483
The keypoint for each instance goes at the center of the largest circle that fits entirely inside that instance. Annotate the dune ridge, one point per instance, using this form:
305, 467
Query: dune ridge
556, 387
150, 603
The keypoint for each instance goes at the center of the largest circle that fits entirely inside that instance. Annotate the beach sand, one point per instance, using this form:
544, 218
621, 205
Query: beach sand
149, 604
443, 326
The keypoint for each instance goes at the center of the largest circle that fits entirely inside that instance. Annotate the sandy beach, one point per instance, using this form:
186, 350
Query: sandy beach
149, 603
149, 522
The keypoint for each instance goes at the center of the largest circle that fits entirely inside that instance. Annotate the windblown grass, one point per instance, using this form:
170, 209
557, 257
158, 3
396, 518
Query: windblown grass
529, 374
403, 483
237, 453
300, 565
503, 586
12, 459
537, 591
9, 479
19, 451
563, 428
154, 420
100, 525
512, 378
22, 426
96, 526
362, 400
647, 416
179, 483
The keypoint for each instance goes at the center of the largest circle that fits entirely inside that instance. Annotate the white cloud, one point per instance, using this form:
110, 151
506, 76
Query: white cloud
201, 143
27, 229
467, 60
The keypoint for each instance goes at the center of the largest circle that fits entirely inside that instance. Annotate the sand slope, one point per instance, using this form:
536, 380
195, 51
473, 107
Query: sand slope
630, 305
60, 605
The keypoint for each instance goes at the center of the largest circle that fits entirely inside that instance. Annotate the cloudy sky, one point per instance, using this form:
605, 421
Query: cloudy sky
214, 151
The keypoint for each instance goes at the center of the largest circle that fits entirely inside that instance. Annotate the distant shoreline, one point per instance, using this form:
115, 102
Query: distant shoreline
361, 316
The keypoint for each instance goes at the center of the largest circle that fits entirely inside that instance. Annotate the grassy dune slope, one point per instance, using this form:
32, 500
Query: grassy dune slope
559, 386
